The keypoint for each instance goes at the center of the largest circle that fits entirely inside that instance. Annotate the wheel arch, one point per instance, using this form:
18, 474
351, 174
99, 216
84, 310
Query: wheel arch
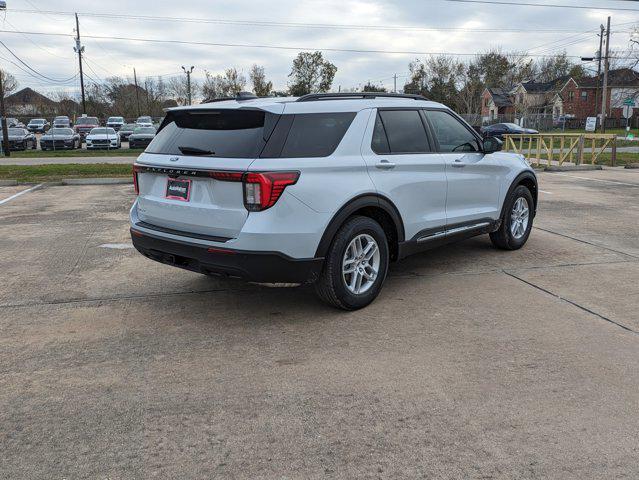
374, 206
527, 179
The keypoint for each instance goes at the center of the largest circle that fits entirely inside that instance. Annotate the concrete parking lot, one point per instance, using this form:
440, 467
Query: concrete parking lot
473, 363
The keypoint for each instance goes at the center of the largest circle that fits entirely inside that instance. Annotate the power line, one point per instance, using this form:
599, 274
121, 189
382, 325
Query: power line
257, 23
273, 47
548, 5
32, 69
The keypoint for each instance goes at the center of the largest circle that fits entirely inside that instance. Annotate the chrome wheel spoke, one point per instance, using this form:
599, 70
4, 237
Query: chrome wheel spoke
361, 264
519, 218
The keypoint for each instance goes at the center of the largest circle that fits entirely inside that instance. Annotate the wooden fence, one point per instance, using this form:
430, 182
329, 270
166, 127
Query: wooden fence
562, 147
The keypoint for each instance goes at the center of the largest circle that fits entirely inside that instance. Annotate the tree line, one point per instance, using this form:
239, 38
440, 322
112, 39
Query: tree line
444, 79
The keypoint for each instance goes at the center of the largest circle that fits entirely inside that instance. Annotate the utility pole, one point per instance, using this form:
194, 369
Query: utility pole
5, 130
601, 37
137, 90
604, 94
395, 83
188, 82
79, 49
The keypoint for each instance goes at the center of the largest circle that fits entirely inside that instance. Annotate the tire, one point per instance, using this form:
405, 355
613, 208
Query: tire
508, 237
332, 286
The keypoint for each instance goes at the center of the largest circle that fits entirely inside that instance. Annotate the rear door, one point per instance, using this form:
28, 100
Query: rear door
405, 168
474, 179
189, 176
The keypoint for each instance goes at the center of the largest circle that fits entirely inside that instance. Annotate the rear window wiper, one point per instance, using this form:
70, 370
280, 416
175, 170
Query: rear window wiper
195, 151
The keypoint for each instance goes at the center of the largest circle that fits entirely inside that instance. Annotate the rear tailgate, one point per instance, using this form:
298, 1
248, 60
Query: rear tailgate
179, 174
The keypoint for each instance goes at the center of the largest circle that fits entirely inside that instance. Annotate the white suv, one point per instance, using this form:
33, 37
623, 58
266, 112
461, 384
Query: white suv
323, 189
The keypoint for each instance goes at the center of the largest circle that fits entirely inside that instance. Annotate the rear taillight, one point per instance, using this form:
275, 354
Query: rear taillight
263, 190
136, 186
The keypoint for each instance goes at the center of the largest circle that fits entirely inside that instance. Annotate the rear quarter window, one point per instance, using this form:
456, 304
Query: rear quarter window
316, 134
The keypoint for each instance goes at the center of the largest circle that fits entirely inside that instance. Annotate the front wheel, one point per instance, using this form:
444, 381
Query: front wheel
517, 220
356, 265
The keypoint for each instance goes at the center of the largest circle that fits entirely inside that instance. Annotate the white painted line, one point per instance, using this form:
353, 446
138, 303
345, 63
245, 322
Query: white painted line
544, 191
604, 181
117, 246
20, 193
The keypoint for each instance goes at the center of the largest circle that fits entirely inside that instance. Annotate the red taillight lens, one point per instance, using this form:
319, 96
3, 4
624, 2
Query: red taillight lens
263, 190
136, 186
227, 176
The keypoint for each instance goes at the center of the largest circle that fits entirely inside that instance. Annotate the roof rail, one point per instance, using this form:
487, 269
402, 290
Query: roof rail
242, 96
311, 97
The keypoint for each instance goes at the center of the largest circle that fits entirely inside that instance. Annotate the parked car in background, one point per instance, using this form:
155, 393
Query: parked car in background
126, 131
38, 125
326, 190
115, 123
61, 122
84, 125
141, 137
60, 139
498, 130
13, 122
21, 139
103, 137
144, 121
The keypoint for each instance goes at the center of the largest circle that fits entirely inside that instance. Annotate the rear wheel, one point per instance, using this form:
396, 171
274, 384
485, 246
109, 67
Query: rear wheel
356, 265
516, 222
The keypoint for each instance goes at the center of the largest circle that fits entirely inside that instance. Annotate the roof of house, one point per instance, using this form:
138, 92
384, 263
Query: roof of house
623, 77
28, 96
546, 87
501, 97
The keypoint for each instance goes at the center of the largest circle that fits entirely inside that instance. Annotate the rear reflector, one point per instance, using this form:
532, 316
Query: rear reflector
136, 186
221, 250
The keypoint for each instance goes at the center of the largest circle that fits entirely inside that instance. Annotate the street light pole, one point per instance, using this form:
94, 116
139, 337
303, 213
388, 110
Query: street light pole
188, 82
5, 130
604, 94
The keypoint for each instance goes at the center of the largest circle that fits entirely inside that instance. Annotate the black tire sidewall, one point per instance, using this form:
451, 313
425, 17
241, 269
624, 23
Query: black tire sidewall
354, 227
519, 192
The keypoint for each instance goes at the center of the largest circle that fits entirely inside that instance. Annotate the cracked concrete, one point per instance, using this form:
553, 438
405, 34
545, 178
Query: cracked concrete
473, 363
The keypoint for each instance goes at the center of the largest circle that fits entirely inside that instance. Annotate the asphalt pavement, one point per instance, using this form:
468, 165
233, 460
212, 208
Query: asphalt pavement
474, 363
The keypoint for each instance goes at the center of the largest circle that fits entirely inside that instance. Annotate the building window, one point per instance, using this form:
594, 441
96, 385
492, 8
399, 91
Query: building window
584, 95
486, 102
571, 96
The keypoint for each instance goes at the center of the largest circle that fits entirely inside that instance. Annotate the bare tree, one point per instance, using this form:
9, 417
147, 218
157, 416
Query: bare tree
9, 83
222, 86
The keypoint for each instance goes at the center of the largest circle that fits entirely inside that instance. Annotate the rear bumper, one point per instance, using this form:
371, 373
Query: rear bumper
261, 267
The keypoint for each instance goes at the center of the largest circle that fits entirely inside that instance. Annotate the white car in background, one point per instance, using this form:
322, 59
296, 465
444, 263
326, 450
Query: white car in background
103, 137
144, 122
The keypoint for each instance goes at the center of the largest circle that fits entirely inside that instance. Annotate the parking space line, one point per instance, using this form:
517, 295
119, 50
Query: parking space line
603, 181
544, 191
6, 200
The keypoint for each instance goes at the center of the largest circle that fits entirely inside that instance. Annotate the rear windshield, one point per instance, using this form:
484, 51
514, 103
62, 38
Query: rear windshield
87, 121
250, 134
213, 133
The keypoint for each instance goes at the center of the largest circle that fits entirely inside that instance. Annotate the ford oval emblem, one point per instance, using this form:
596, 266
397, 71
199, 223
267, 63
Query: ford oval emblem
174, 159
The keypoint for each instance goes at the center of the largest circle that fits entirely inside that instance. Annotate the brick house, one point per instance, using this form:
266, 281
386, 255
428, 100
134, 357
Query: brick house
496, 102
579, 97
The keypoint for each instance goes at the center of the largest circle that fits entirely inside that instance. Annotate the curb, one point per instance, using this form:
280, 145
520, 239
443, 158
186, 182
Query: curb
8, 183
632, 165
573, 168
97, 181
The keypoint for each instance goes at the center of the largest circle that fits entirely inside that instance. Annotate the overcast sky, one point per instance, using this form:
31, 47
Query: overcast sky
53, 55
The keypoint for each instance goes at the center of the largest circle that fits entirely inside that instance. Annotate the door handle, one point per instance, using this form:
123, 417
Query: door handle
385, 165
458, 163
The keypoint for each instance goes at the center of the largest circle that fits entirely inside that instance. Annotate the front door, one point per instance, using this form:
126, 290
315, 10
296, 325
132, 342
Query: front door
474, 179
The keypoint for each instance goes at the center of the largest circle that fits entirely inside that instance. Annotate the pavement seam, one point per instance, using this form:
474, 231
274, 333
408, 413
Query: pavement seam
575, 304
115, 298
587, 242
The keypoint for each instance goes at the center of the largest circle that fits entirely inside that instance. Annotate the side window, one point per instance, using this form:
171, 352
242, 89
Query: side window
316, 134
379, 144
405, 131
451, 134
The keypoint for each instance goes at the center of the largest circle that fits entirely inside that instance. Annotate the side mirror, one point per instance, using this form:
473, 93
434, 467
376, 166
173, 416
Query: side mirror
492, 145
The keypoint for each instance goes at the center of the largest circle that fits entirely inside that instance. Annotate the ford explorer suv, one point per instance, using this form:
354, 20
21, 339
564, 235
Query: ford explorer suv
326, 189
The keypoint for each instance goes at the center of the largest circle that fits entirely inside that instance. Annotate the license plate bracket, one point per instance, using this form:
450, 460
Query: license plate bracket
178, 189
